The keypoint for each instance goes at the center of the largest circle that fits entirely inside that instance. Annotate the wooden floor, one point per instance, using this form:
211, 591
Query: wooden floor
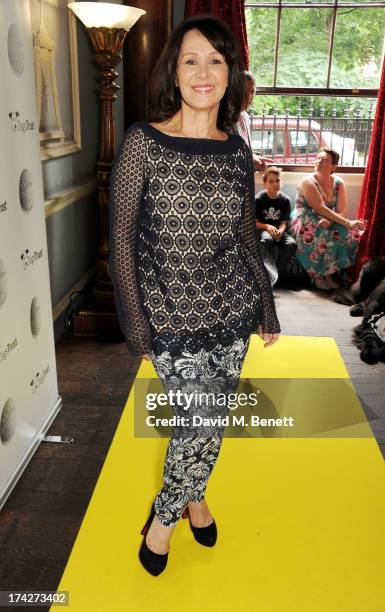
40, 521
313, 313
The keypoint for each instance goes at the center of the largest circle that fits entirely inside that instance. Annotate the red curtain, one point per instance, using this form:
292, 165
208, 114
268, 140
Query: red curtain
232, 12
372, 200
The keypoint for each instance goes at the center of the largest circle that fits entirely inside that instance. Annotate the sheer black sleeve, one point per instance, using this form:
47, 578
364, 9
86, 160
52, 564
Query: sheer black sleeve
126, 188
252, 250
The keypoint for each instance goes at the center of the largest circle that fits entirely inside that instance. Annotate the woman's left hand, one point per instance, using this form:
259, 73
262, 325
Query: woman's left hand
269, 339
324, 223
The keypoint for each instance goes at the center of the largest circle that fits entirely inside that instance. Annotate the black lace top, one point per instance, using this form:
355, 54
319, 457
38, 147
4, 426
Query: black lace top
185, 259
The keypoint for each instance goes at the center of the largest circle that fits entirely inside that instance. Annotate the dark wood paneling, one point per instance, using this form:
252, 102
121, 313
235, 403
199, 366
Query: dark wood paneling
143, 45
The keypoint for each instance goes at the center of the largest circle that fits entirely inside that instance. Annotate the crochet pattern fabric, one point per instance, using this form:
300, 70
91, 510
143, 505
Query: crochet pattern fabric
185, 258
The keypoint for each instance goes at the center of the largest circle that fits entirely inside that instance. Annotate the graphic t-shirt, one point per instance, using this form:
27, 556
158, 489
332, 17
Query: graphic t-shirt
272, 211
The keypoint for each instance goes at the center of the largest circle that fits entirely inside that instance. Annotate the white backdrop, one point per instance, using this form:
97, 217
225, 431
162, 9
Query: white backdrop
29, 397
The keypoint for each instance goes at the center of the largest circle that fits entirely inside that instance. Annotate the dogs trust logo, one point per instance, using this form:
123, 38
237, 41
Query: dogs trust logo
38, 379
18, 125
4, 352
29, 259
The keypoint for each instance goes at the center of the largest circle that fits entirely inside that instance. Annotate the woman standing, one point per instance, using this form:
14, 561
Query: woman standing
185, 260
327, 240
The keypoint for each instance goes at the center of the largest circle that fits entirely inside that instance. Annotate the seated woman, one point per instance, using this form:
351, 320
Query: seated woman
327, 241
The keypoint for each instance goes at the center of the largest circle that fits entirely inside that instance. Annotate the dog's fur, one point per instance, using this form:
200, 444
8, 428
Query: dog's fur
369, 337
367, 294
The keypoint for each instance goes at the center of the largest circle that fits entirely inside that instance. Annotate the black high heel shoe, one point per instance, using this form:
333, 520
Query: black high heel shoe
151, 561
204, 535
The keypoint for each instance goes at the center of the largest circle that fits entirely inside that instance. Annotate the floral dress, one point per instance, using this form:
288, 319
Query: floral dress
322, 251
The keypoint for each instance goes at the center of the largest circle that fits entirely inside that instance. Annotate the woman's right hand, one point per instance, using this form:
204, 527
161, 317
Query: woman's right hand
356, 224
146, 357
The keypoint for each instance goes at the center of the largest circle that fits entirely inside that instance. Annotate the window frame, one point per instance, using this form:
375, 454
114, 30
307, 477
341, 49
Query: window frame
352, 92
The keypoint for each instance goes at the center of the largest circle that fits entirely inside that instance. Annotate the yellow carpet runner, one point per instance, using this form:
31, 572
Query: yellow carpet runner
300, 520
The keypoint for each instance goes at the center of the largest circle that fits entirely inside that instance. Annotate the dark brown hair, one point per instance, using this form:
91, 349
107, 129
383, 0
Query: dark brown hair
164, 95
333, 154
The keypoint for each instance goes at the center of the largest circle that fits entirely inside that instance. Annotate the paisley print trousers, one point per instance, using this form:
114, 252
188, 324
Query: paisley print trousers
204, 381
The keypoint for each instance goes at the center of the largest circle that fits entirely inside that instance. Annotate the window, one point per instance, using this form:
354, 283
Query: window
269, 142
317, 64
303, 142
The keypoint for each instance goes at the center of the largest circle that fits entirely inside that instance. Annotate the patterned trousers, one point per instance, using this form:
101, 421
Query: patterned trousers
204, 381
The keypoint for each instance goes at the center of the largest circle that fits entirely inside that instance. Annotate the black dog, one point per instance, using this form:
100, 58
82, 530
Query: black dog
367, 294
370, 338
367, 298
